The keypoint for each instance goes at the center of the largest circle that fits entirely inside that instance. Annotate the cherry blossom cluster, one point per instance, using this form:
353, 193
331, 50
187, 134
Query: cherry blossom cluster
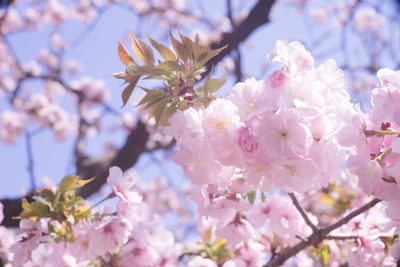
131, 235
278, 132
293, 131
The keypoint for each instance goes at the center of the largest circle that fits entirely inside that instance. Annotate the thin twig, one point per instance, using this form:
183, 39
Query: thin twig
229, 12
351, 215
29, 154
302, 212
316, 237
85, 33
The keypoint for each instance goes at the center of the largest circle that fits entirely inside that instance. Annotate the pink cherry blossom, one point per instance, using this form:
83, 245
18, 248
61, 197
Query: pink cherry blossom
293, 56
369, 173
253, 97
236, 231
12, 124
107, 236
277, 78
367, 19
284, 136
122, 185
201, 262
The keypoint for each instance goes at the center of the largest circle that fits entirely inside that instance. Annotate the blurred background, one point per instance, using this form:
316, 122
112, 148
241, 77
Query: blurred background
60, 108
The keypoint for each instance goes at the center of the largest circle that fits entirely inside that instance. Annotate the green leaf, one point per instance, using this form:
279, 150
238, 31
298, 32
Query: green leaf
50, 227
142, 51
34, 210
68, 183
165, 52
169, 111
72, 182
206, 80
158, 111
325, 254
44, 201
169, 66
162, 110
199, 52
133, 69
153, 96
123, 54
47, 193
251, 196
25, 204
78, 200
84, 182
178, 48
209, 56
187, 45
214, 85
126, 94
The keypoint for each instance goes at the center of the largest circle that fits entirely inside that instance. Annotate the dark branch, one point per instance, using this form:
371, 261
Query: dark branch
124, 158
257, 17
302, 212
318, 236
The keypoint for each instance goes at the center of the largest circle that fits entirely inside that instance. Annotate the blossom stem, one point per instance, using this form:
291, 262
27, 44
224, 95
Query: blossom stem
373, 133
109, 196
382, 155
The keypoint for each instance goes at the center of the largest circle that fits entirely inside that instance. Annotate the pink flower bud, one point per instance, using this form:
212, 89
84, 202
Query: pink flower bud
277, 78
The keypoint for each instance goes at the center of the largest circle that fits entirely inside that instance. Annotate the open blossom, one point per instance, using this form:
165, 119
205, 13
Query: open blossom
95, 91
254, 97
221, 123
237, 231
282, 217
22, 250
395, 250
12, 124
247, 141
369, 173
385, 99
284, 135
366, 18
122, 185
293, 56
107, 236
201, 262
52, 115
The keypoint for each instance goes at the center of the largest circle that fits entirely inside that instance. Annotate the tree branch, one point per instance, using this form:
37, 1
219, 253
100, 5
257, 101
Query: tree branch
302, 212
257, 17
124, 158
316, 237
29, 152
